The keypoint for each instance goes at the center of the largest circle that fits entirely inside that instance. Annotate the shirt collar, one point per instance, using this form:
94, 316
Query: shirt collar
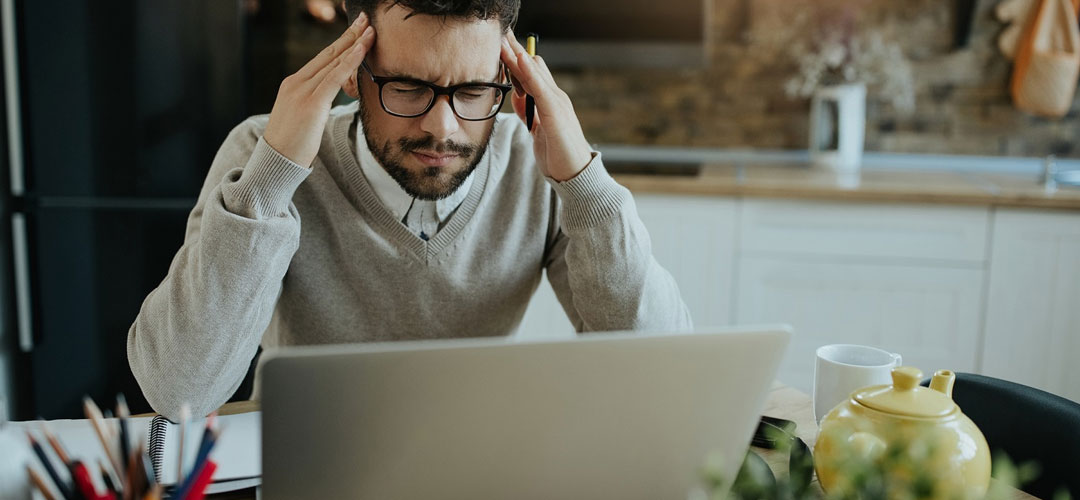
390, 193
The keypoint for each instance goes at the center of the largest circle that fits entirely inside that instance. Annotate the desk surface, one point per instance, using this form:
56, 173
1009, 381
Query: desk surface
784, 402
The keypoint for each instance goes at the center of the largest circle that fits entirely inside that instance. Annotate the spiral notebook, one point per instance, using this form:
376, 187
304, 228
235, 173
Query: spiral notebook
238, 451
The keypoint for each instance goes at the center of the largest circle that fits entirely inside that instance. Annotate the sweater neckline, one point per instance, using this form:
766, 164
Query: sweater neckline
363, 196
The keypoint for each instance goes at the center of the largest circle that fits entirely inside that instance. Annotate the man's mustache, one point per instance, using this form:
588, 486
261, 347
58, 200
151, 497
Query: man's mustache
429, 144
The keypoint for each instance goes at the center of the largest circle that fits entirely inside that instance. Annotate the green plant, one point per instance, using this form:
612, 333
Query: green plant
904, 470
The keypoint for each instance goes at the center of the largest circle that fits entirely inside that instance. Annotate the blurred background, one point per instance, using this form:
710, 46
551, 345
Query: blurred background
114, 112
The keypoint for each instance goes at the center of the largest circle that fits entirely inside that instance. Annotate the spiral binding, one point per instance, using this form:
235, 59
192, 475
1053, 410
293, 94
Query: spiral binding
156, 444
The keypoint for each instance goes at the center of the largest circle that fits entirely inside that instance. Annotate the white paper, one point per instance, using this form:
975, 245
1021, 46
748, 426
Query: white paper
237, 453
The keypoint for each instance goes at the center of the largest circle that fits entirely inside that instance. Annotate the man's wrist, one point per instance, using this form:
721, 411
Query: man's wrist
590, 197
587, 158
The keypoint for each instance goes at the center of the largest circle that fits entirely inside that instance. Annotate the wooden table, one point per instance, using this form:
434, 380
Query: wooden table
783, 402
791, 404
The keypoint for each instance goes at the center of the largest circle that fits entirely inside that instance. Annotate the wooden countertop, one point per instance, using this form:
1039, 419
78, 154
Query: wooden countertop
795, 181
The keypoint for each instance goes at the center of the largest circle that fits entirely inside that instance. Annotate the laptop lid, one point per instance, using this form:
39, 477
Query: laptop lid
608, 415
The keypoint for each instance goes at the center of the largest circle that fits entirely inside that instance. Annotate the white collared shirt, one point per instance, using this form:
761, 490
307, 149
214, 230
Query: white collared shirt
423, 217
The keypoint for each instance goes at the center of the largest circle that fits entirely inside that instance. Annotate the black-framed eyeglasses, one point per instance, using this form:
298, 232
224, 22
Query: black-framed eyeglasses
409, 97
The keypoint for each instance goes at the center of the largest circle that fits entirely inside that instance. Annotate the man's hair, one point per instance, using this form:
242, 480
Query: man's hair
506, 11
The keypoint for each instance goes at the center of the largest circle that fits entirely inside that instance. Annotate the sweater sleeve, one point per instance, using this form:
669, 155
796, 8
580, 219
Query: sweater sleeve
197, 332
601, 265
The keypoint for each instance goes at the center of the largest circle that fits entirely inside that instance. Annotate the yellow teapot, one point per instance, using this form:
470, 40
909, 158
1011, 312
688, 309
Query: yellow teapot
914, 439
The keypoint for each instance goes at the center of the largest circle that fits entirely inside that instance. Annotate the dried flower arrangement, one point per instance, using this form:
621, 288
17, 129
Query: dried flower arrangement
831, 45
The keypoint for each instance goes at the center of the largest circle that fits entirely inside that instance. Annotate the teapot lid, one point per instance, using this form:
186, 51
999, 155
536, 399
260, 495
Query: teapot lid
906, 397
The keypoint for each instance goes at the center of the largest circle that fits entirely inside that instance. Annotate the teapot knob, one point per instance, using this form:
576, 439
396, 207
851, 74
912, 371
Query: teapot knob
906, 378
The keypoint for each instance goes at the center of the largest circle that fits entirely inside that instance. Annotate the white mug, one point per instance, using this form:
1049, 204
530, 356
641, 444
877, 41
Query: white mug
842, 369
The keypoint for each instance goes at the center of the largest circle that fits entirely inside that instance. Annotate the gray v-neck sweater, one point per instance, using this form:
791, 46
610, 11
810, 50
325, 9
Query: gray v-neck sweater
279, 254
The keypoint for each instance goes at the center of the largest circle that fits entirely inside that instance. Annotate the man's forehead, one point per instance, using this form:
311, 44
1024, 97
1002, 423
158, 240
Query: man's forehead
434, 48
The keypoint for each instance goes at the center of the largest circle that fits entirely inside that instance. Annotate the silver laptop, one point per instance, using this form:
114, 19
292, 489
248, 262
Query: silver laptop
600, 416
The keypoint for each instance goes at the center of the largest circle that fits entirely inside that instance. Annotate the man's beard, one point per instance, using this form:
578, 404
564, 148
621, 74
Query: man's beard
430, 183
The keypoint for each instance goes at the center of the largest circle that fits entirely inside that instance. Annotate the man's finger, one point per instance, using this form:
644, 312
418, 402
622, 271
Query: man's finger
532, 64
518, 103
541, 64
334, 50
522, 67
509, 58
333, 66
532, 79
347, 64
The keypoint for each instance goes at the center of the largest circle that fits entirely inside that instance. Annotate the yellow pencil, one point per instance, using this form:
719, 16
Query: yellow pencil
55, 443
39, 482
530, 103
94, 414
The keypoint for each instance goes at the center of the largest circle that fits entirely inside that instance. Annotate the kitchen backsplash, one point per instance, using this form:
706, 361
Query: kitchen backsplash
737, 99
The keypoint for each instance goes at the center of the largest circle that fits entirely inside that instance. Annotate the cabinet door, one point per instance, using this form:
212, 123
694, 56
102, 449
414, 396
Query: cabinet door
692, 238
1033, 312
956, 235
545, 317
930, 315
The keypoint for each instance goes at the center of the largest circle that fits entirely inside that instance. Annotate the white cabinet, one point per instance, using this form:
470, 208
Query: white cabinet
1032, 333
692, 238
905, 278
958, 287
930, 315
545, 317
865, 230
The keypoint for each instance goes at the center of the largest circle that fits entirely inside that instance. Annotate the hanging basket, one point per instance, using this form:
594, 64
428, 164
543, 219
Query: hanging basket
1048, 61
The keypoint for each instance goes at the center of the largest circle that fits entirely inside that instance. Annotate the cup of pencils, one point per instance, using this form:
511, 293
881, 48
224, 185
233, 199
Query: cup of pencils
126, 472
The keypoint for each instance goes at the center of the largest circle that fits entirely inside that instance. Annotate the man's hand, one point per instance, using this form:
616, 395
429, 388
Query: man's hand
558, 142
303, 102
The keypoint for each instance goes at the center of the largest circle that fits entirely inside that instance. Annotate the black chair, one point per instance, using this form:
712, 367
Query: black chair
247, 386
1028, 425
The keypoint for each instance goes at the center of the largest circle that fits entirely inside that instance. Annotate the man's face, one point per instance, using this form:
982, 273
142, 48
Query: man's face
432, 154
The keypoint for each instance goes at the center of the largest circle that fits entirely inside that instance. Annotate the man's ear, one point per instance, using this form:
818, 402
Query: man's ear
351, 89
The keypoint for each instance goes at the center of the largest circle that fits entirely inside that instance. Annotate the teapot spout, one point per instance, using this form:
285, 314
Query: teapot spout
943, 382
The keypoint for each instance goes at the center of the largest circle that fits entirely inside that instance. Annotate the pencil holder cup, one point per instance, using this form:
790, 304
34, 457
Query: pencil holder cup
14, 480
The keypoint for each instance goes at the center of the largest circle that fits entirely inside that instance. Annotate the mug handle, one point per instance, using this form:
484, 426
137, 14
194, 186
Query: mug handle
897, 359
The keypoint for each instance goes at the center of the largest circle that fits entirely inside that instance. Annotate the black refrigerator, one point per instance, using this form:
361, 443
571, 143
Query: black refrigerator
114, 111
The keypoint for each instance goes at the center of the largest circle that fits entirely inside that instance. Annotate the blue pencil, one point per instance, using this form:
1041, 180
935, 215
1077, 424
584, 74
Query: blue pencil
208, 440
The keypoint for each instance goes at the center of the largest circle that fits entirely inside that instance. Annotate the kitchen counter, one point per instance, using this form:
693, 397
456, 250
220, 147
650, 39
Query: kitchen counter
905, 185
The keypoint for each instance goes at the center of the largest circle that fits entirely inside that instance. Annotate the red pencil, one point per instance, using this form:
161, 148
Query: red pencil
84, 484
198, 488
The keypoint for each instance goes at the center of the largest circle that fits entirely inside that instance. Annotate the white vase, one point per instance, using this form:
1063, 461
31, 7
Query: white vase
838, 126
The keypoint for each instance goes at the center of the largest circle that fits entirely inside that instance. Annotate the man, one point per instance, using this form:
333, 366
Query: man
414, 213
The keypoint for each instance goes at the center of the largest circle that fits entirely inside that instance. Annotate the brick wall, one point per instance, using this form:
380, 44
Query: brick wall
737, 99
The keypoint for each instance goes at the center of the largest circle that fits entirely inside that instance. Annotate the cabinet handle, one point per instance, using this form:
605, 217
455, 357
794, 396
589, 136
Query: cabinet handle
11, 96
21, 257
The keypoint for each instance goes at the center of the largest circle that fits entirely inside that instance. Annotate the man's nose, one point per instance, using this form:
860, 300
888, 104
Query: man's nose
440, 121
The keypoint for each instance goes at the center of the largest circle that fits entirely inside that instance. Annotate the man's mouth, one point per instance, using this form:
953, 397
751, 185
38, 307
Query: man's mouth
433, 159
